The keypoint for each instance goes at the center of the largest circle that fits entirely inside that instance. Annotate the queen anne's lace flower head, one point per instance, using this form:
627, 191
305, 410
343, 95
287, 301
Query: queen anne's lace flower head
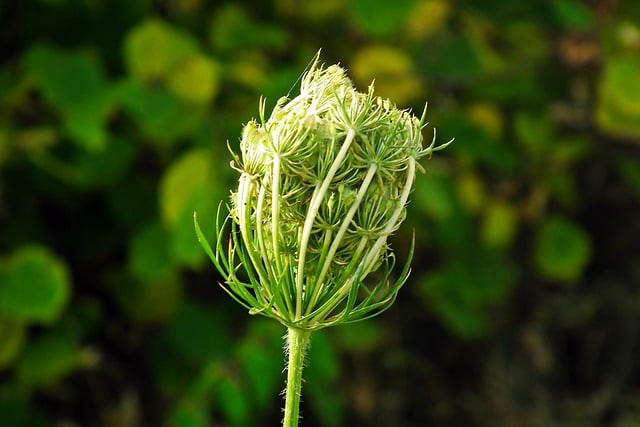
324, 181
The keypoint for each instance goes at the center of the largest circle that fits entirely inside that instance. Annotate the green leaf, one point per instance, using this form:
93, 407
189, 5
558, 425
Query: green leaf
573, 14
512, 86
359, 336
94, 169
149, 257
567, 150
534, 132
16, 411
150, 300
75, 85
132, 201
190, 415
434, 196
323, 360
233, 28
321, 373
475, 143
380, 17
461, 292
105, 167
154, 48
199, 334
618, 109
630, 169
260, 354
466, 320
161, 115
453, 58
232, 401
562, 250
34, 285
47, 359
85, 125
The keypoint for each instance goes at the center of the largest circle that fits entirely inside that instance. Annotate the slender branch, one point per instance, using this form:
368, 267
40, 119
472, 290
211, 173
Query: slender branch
393, 221
314, 205
275, 212
346, 221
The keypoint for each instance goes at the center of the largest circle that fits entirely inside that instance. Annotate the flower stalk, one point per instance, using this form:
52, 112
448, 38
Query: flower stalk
297, 344
324, 181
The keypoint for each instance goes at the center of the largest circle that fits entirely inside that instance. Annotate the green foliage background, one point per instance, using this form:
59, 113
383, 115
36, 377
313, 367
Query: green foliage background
523, 308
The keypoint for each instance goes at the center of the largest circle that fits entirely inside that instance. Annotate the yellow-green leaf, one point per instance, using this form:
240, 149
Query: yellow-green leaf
196, 79
12, 339
154, 48
181, 183
499, 224
192, 183
391, 69
618, 109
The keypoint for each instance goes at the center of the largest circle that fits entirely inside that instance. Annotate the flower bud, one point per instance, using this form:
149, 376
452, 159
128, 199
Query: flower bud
324, 182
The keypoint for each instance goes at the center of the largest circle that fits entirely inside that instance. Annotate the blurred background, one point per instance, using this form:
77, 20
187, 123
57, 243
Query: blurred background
523, 308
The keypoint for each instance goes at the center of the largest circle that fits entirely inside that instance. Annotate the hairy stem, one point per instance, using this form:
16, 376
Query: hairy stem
297, 343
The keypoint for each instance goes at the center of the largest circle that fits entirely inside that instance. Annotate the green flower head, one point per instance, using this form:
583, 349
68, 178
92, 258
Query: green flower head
324, 181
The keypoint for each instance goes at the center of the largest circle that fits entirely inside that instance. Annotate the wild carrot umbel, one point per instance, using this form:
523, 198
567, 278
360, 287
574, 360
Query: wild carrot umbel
324, 181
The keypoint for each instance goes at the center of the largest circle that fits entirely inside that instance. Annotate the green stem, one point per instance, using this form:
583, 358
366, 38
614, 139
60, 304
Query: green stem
297, 344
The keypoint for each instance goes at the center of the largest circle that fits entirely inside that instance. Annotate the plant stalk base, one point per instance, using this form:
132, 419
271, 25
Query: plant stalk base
297, 344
